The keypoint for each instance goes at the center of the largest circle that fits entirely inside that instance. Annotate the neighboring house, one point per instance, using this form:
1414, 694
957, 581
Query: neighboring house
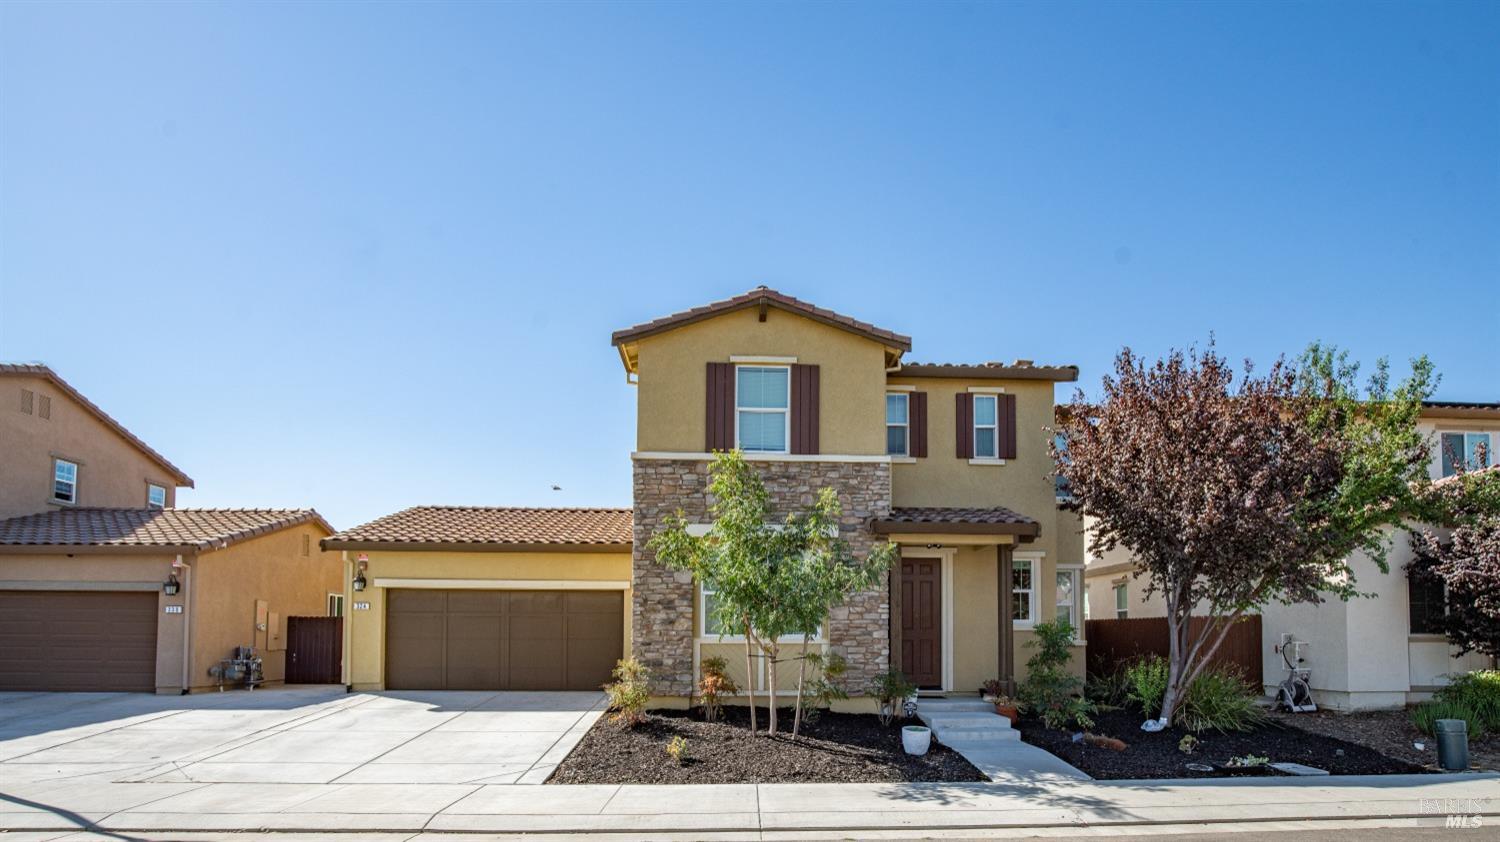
1376, 652
468, 598
948, 461
149, 600
57, 449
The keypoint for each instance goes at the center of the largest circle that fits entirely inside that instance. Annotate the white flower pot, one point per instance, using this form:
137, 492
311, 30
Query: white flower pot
916, 739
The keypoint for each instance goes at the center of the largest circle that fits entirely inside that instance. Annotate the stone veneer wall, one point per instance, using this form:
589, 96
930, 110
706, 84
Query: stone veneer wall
662, 627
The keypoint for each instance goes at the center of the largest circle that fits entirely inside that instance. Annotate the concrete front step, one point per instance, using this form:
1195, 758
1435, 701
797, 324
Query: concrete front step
968, 722
954, 705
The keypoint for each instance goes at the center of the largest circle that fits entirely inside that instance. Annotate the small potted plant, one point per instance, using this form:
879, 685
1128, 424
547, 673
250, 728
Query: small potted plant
991, 689
1008, 708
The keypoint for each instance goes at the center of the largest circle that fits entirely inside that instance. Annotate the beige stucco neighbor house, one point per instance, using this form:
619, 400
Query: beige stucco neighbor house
104, 585
1367, 653
150, 599
948, 461
58, 449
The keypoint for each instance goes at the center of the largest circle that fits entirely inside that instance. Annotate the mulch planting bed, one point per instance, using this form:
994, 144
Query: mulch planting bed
834, 748
1391, 733
1156, 755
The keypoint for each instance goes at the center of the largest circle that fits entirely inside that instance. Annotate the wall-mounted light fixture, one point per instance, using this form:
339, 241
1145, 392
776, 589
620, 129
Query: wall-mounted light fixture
171, 586
361, 565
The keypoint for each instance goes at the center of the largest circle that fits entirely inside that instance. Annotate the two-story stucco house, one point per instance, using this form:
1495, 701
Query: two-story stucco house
1381, 651
948, 461
105, 585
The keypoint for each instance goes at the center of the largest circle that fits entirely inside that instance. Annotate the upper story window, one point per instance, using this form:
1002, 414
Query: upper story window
64, 481
156, 496
762, 403
986, 427
898, 424
1471, 450
1060, 482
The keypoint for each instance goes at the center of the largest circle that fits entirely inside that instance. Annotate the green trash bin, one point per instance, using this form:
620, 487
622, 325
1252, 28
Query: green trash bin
1452, 737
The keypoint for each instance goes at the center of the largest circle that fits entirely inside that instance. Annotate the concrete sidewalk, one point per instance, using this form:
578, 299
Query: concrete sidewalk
757, 810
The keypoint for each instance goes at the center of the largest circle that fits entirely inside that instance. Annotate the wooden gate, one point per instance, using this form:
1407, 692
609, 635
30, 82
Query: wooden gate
1112, 642
314, 650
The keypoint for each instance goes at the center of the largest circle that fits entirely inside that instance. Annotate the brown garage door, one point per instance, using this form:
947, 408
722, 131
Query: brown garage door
78, 640
501, 640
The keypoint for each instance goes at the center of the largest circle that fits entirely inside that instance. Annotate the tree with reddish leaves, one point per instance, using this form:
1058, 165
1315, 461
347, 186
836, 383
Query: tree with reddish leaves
1460, 547
1232, 490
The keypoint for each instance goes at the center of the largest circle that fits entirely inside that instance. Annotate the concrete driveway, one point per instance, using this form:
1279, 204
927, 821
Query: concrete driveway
300, 735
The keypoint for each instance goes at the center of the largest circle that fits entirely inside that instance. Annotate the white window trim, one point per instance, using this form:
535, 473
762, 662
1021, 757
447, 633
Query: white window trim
1076, 571
905, 427
759, 360
72, 500
706, 636
786, 412
987, 390
976, 427
1115, 592
340, 598
151, 486
1035, 561
899, 387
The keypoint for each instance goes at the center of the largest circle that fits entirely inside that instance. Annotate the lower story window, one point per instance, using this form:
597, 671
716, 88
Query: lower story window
1067, 599
335, 605
709, 626
1426, 603
1122, 603
1021, 590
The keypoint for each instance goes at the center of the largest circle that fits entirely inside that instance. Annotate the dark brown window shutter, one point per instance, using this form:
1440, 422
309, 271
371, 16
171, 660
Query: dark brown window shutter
1005, 419
805, 398
918, 407
718, 417
963, 427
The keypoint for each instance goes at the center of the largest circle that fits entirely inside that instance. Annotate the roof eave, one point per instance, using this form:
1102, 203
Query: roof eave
887, 526
1056, 374
336, 543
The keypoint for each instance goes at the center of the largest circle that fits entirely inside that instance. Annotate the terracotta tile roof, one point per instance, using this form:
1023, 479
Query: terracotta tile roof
1453, 479
985, 521
196, 528
754, 298
482, 527
42, 371
1018, 370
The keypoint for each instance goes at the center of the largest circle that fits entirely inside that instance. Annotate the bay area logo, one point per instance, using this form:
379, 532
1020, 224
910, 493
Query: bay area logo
1458, 813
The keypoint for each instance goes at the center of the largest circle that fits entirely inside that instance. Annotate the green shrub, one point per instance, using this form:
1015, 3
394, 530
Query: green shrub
1146, 683
1051, 691
1425, 716
827, 684
629, 692
1108, 690
891, 690
1219, 700
1479, 692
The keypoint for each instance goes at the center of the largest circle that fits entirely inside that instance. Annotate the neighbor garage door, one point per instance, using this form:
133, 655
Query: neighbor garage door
501, 640
78, 640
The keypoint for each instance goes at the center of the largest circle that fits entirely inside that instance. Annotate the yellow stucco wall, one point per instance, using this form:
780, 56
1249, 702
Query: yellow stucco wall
111, 471
227, 584
365, 649
673, 366
100, 572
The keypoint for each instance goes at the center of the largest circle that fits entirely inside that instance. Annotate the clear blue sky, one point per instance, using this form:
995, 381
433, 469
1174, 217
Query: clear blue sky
361, 256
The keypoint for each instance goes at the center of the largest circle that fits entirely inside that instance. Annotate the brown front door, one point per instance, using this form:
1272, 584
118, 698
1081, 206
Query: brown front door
78, 640
921, 621
502, 640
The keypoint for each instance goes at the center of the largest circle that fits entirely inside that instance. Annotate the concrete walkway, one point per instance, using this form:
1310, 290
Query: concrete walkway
972, 728
67, 804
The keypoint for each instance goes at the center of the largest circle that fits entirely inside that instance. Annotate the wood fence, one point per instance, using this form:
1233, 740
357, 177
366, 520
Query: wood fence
314, 650
1113, 642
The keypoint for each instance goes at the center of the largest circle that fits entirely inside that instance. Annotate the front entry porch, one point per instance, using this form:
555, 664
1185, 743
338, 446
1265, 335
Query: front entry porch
951, 594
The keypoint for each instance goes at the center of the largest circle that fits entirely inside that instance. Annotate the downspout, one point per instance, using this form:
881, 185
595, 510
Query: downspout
187, 621
346, 668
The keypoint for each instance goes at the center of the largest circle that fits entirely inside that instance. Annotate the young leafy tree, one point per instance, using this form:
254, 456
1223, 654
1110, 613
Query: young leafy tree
770, 579
1460, 547
1231, 493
